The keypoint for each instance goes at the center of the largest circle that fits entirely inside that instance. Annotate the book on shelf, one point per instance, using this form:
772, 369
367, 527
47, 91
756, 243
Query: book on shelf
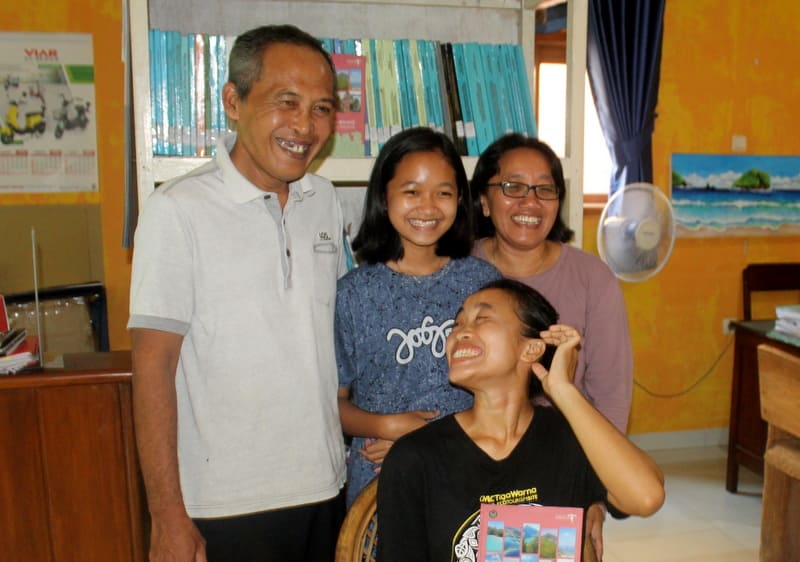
213, 88
478, 80
529, 532
457, 52
401, 68
472, 92
388, 88
417, 84
523, 90
200, 86
448, 116
373, 119
349, 130
435, 102
499, 93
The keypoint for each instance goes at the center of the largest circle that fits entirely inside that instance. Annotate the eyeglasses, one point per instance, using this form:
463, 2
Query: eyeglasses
519, 190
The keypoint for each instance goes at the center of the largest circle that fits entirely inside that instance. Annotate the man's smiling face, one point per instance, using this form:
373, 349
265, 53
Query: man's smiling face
286, 119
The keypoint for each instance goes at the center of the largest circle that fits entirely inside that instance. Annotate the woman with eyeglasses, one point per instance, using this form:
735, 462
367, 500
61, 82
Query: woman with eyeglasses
518, 189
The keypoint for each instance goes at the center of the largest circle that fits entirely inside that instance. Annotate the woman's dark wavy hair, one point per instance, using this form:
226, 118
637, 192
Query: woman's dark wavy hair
377, 240
488, 166
536, 315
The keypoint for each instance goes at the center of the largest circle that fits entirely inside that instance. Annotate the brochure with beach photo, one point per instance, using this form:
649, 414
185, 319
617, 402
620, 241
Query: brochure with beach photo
530, 533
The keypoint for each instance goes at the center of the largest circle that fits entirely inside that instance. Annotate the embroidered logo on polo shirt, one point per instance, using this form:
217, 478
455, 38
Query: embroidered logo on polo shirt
324, 244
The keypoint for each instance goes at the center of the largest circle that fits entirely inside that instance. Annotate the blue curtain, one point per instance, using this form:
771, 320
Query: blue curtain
623, 59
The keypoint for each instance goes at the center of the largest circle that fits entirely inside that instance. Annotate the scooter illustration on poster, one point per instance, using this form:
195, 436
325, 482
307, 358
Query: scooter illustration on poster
73, 114
48, 113
25, 111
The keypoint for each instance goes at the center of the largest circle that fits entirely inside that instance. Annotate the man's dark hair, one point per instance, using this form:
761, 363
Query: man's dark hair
244, 66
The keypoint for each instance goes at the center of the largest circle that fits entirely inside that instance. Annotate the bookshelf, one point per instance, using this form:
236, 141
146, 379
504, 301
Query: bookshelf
486, 21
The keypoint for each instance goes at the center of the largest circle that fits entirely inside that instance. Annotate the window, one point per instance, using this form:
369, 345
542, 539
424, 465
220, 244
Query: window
551, 100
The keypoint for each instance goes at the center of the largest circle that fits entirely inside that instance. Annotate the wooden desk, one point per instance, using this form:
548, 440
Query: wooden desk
70, 488
747, 431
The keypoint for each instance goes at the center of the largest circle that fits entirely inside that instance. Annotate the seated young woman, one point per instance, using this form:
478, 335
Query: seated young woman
504, 345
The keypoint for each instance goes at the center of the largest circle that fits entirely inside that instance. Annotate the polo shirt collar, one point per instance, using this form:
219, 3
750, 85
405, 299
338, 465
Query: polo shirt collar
239, 188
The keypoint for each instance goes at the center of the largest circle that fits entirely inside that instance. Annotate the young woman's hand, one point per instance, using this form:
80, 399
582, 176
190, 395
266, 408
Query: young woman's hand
595, 517
565, 361
397, 425
375, 450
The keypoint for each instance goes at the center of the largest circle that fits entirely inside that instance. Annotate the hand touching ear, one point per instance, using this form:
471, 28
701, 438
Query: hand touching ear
562, 369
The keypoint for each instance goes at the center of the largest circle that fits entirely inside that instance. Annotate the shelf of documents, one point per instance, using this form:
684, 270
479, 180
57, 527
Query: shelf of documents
470, 91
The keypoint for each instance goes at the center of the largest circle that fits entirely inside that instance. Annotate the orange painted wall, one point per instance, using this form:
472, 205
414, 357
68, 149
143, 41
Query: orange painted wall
103, 19
727, 68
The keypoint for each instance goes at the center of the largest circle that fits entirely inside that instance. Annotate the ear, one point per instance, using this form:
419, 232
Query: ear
231, 101
484, 205
532, 350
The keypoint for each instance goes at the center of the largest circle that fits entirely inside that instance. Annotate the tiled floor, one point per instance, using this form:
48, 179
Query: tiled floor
700, 520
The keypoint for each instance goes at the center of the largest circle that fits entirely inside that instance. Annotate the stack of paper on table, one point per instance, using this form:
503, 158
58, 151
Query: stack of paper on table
788, 319
26, 354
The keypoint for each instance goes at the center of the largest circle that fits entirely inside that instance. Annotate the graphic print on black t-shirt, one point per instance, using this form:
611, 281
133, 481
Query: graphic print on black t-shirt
465, 541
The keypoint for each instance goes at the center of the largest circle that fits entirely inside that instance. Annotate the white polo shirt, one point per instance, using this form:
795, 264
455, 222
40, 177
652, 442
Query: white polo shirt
252, 292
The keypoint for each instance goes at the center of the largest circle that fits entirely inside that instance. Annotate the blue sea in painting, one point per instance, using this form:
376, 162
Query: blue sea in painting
708, 199
725, 209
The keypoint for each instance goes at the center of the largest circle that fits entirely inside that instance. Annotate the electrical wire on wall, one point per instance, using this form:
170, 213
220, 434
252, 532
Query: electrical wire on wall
692, 386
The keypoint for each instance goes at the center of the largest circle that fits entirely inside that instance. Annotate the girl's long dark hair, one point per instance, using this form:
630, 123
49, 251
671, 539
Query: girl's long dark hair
377, 241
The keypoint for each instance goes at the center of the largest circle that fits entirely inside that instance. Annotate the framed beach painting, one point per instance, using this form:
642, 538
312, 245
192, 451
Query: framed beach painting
736, 195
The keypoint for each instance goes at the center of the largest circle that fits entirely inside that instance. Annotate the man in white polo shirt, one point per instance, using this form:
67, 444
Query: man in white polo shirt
232, 297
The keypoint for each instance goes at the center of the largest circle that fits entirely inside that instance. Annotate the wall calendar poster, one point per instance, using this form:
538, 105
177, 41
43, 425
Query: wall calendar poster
47, 113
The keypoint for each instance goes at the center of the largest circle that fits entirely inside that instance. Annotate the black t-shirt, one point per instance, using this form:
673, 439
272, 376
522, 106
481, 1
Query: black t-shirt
434, 479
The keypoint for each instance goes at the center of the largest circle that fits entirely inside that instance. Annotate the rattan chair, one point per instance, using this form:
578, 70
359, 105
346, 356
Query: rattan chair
358, 538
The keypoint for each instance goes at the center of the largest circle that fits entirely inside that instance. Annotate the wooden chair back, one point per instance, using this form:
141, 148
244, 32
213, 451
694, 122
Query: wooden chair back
768, 277
358, 537
779, 383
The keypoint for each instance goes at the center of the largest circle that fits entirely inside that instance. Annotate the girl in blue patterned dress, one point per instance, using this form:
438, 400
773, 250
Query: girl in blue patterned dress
394, 311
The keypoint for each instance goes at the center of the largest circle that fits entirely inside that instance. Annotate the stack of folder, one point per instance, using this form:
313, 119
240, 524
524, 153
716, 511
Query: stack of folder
17, 351
788, 319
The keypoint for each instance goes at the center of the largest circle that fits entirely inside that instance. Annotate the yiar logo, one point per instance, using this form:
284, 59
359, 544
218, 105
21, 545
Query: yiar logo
41, 54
